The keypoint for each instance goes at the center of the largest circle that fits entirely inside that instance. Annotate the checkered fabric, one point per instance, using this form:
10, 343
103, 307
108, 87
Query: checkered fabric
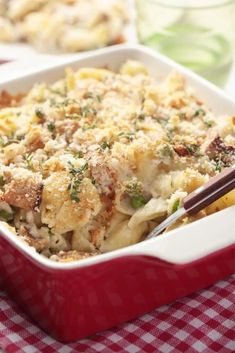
203, 322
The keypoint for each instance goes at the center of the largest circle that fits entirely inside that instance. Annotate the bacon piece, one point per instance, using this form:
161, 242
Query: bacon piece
181, 150
23, 192
218, 150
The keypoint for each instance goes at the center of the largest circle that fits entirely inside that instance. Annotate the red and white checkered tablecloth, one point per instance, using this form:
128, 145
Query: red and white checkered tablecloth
203, 322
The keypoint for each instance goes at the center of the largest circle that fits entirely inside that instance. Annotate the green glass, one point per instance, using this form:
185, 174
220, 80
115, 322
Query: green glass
198, 34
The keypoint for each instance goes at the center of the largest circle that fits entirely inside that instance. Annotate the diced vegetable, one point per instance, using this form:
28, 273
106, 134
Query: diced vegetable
6, 216
138, 201
175, 206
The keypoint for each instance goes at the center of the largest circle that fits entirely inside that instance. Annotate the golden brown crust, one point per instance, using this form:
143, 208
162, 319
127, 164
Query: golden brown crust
9, 100
59, 211
67, 127
38, 243
73, 255
35, 140
24, 192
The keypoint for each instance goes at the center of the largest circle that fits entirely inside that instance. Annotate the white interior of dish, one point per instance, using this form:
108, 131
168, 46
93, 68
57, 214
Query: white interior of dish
178, 246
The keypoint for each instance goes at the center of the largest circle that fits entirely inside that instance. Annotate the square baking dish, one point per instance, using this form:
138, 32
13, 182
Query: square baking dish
74, 300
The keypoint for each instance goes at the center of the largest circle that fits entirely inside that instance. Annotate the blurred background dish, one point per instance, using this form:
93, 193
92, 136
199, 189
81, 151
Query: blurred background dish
63, 26
196, 33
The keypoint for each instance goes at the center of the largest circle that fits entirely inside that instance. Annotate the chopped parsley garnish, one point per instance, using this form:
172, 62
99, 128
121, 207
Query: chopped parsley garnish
77, 171
20, 137
175, 206
166, 151
7, 140
85, 110
193, 149
199, 111
28, 161
78, 154
50, 233
2, 143
61, 104
169, 134
93, 96
98, 98
74, 190
88, 127
218, 165
88, 110
161, 120
77, 177
105, 145
51, 126
6, 216
141, 116
142, 97
209, 123
39, 113
128, 135
1, 180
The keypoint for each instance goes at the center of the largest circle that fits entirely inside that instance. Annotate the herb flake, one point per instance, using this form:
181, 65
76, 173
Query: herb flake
39, 113
77, 177
208, 123
199, 112
2, 182
141, 116
51, 126
105, 145
128, 135
28, 161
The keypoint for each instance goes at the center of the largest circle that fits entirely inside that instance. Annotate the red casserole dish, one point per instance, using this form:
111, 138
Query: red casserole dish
74, 300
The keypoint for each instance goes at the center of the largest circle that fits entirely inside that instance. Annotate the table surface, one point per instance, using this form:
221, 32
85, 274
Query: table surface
200, 323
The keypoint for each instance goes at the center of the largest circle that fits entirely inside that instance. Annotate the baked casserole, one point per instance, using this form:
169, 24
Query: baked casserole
93, 162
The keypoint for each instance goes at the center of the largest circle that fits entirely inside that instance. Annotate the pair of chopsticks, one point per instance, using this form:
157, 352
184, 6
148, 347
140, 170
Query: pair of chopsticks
215, 188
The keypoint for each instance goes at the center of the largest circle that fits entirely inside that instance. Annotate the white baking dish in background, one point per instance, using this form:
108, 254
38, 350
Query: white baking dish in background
193, 243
